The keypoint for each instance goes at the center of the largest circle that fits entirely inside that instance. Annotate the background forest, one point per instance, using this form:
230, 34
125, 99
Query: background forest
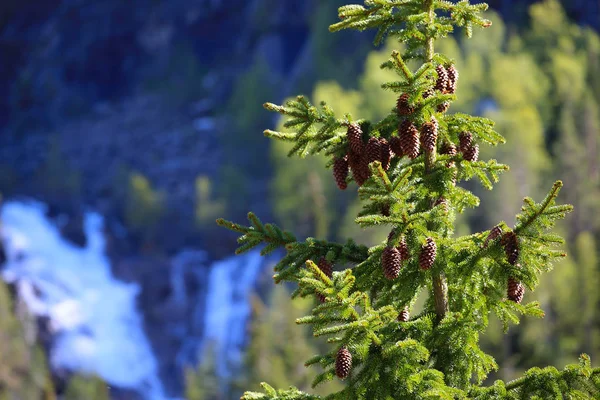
537, 73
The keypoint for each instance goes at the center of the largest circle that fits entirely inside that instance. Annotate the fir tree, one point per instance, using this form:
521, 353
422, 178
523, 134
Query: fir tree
434, 353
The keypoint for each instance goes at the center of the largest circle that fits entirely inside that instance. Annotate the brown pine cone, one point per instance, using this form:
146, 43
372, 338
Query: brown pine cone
391, 262
495, 233
443, 107
515, 290
465, 140
443, 202
390, 237
452, 166
404, 315
340, 172
359, 167
403, 106
403, 249
428, 254
325, 266
442, 80
448, 148
327, 269
386, 154
385, 210
396, 146
409, 139
511, 247
429, 134
343, 363
354, 134
472, 153
452, 79
373, 150
428, 93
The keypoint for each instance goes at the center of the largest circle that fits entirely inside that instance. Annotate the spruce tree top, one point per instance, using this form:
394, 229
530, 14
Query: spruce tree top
408, 166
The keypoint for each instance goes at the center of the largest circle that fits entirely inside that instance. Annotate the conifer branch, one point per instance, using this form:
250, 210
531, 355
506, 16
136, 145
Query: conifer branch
407, 166
543, 215
271, 394
316, 128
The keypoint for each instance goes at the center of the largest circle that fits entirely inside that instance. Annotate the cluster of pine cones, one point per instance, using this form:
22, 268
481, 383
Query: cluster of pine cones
359, 156
410, 140
515, 289
392, 257
445, 84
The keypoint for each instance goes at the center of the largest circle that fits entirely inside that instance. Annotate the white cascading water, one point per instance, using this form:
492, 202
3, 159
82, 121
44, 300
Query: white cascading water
230, 285
97, 328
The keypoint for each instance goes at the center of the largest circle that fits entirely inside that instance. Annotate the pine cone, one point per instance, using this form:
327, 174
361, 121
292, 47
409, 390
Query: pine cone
325, 266
391, 236
409, 139
428, 253
428, 93
340, 172
359, 167
472, 153
465, 140
443, 202
495, 233
327, 269
404, 315
511, 247
452, 79
442, 79
396, 146
373, 150
402, 105
386, 154
391, 262
385, 210
515, 290
443, 107
448, 148
354, 134
343, 363
429, 134
403, 249
452, 166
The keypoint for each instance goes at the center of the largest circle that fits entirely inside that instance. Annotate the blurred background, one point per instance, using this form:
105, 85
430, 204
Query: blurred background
126, 128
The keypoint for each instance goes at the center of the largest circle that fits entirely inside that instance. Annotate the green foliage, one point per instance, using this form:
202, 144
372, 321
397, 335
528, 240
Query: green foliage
144, 207
207, 208
275, 340
300, 192
203, 383
436, 354
240, 145
88, 388
23, 369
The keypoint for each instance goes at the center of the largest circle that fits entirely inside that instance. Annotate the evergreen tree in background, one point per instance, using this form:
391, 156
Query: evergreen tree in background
408, 166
